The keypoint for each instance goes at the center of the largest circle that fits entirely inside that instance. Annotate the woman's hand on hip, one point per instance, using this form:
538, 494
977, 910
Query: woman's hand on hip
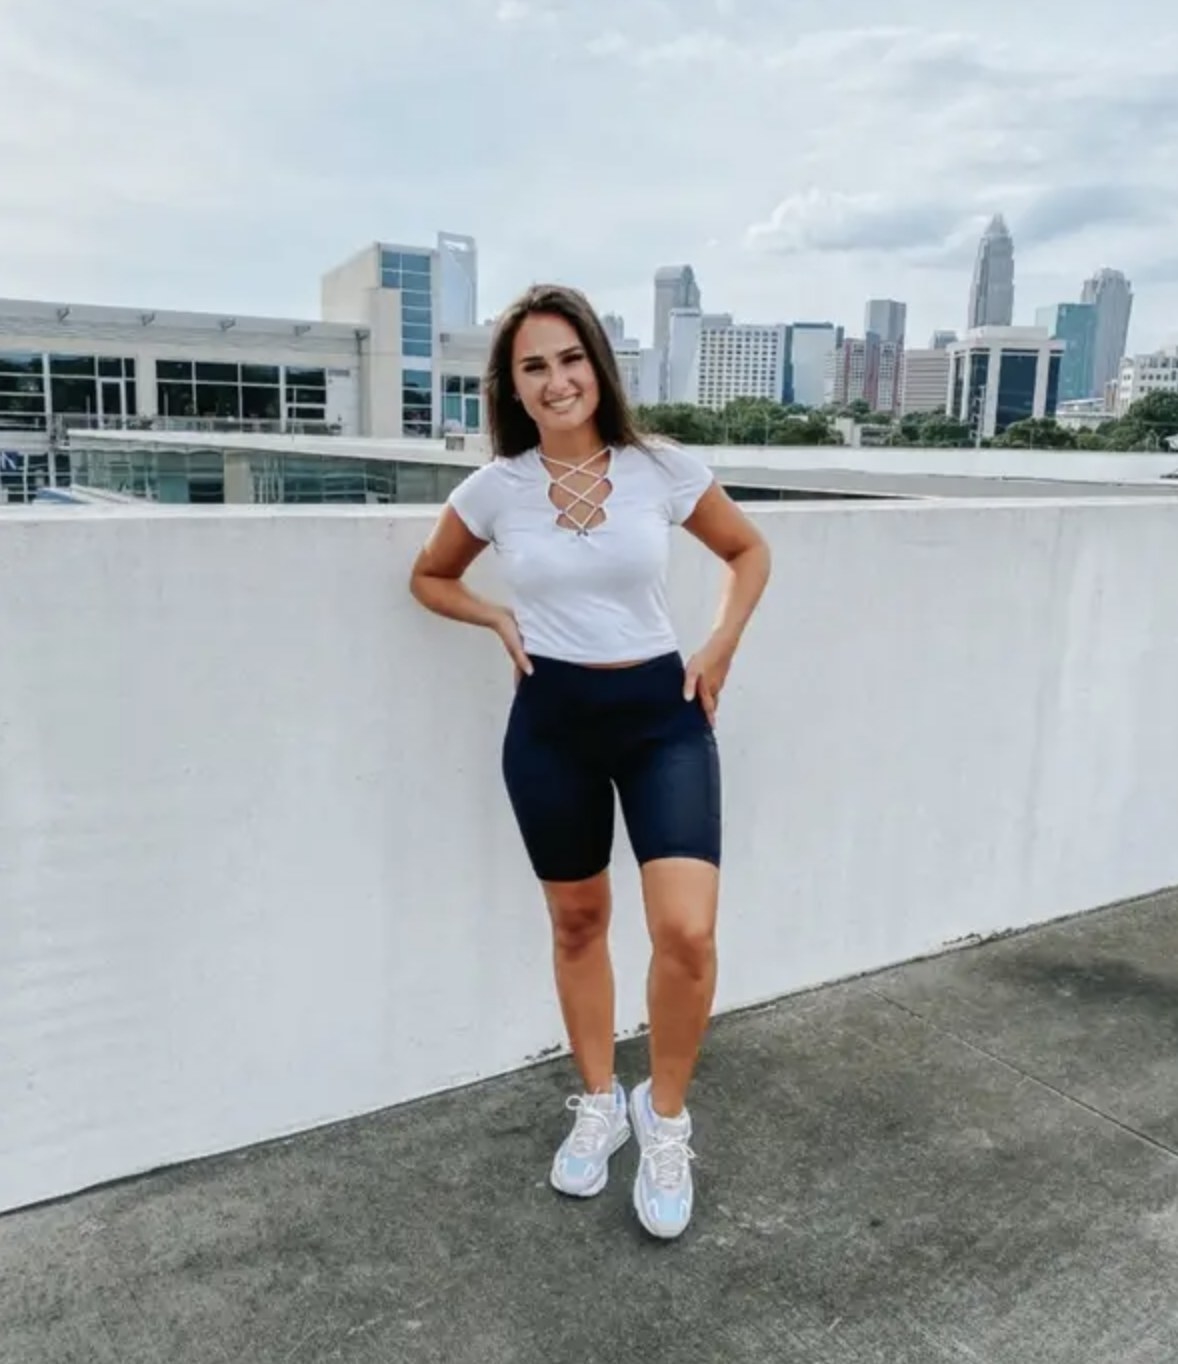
706, 673
507, 629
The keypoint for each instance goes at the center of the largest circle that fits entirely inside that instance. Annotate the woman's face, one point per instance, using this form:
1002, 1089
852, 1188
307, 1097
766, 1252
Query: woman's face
553, 375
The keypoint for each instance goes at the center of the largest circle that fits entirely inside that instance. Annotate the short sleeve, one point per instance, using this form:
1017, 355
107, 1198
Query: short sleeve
476, 500
688, 478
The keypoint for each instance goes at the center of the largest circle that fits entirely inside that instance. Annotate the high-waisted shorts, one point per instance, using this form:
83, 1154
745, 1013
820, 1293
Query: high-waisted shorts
577, 733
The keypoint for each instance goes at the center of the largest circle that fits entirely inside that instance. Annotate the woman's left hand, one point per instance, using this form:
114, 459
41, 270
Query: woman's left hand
706, 673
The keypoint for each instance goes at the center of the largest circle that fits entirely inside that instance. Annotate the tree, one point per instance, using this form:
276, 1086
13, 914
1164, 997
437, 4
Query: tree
1036, 433
682, 422
931, 429
1147, 425
744, 421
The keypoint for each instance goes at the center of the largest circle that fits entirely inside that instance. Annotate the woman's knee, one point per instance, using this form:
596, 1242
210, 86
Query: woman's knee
579, 912
689, 945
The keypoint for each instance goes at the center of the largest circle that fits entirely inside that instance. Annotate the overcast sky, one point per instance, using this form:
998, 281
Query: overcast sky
221, 154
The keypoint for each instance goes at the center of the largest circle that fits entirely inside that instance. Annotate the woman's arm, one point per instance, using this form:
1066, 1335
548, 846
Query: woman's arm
436, 582
719, 523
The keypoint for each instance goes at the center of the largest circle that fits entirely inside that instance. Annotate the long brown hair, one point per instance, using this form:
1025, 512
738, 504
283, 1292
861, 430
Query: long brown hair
513, 432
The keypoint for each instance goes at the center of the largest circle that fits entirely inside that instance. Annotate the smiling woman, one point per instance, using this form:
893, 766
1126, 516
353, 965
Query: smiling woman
579, 506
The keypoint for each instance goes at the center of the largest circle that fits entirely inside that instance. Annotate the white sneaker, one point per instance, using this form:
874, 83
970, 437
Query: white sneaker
663, 1189
581, 1167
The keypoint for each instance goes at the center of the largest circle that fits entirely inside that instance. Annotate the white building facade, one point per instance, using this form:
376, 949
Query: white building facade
64, 363
638, 367
398, 353
1001, 375
714, 360
1144, 374
924, 386
418, 367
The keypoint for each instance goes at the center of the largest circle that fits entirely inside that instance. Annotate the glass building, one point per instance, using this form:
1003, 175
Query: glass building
1075, 324
1002, 375
206, 473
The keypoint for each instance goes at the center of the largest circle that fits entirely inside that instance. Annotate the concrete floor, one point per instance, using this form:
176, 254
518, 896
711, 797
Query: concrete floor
965, 1159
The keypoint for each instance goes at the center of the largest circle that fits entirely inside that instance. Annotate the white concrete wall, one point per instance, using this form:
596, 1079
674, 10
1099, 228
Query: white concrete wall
1069, 466
257, 871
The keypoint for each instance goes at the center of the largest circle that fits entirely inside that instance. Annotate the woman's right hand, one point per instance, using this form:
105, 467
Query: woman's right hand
507, 629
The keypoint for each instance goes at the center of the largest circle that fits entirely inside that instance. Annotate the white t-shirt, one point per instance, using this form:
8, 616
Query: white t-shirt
597, 596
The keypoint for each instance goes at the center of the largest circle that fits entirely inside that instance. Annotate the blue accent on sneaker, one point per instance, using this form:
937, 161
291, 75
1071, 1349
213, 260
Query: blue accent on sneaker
664, 1193
581, 1165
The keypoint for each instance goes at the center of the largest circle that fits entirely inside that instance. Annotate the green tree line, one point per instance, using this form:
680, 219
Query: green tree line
759, 421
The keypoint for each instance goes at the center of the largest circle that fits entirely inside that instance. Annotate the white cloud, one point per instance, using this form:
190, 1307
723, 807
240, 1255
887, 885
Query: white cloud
209, 153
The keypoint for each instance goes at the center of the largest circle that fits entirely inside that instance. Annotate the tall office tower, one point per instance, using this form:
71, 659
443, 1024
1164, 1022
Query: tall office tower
886, 318
866, 369
674, 287
1075, 325
1112, 296
991, 295
811, 345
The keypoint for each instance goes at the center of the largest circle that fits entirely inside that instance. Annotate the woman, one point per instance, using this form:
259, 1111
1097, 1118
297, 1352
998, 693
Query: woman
579, 508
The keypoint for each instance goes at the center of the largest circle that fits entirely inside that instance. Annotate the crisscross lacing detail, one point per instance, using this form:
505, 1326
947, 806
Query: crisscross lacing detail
592, 1127
669, 1157
582, 509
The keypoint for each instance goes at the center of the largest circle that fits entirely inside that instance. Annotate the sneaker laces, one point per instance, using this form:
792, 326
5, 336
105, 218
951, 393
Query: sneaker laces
670, 1157
594, 1119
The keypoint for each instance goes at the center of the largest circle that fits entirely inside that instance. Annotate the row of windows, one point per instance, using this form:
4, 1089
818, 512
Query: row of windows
32, 364
104, 386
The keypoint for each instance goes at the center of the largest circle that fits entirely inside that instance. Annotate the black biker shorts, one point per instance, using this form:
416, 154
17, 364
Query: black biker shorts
576, 733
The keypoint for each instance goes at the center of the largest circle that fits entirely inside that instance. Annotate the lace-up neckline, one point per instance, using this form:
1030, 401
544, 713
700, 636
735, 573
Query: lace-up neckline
583, 508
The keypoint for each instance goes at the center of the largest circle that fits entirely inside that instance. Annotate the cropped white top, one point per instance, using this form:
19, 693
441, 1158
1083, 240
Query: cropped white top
598, 594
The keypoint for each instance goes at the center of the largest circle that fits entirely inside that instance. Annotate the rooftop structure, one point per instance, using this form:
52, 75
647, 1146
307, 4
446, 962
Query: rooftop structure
259, 877
398, 353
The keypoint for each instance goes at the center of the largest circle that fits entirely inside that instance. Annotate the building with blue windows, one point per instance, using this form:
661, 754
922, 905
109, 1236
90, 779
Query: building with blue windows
1002, 375
426, 355
1075, 325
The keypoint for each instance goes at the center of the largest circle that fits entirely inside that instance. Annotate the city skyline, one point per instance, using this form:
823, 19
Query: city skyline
255, 160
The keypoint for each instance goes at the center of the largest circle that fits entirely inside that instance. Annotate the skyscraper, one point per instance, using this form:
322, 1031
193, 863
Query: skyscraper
942, 340
811, 346
674, 287
1075, 325
991, 296
1110, 293
886, 318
